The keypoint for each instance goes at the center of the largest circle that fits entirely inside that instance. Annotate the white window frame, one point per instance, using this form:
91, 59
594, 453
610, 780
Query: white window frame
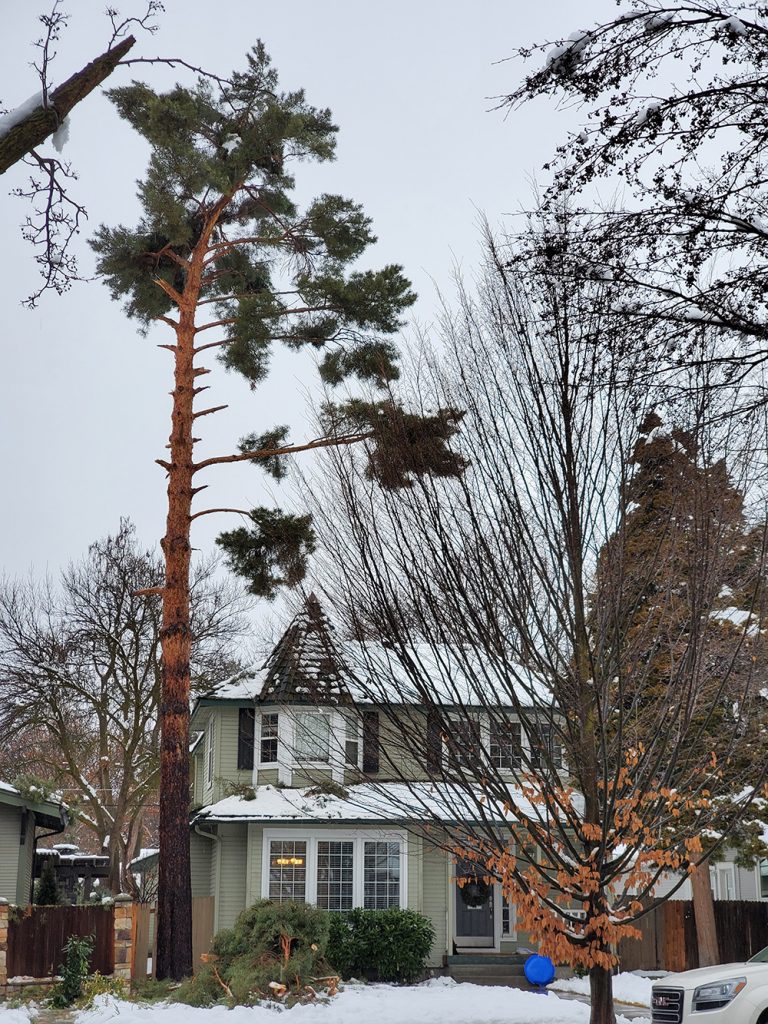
760, 896
257, 736
314, 713
358, 838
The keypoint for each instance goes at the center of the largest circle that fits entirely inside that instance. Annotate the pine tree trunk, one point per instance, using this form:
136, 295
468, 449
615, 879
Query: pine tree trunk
601, 996
174, 901
704, 913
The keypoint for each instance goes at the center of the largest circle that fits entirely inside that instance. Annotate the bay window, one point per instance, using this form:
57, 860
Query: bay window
335, 870
311, 736
288, 870
381, 875
268, 738
334, 874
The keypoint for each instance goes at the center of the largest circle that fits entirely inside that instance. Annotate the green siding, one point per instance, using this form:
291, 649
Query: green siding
268, 776
434, 896
226, 752
26, 859
232, 850
255, 853
201, 853
9, 852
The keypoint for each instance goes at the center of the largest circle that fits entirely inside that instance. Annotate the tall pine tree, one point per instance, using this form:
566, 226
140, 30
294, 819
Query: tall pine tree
225, 259
680, 598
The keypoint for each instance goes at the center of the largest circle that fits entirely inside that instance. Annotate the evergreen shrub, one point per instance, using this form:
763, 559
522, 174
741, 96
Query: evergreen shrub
47, 892
282, 943
381, 945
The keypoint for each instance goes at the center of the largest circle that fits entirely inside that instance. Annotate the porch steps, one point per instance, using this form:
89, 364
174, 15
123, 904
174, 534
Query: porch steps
488, 969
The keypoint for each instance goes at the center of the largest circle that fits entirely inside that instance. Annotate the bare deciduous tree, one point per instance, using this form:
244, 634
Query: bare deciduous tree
80, 672
538, 727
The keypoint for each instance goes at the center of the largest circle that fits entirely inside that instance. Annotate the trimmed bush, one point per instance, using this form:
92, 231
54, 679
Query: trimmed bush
381, 945
280, 943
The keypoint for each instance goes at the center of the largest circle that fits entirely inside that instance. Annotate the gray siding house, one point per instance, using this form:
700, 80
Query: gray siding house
303, 790
21, 819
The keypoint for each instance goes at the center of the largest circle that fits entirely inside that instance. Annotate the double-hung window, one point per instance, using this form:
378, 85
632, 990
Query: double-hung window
505, 744
337, 871
288, 870
311, 736
381, 874
268, 738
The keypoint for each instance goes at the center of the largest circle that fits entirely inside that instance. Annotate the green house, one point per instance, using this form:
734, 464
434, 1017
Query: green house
24, 818
304, 789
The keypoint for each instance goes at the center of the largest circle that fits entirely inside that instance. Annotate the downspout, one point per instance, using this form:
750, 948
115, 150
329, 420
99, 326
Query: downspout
217, 839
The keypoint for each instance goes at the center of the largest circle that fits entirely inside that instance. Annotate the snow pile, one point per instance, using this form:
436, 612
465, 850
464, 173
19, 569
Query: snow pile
380, 802
61, 136
22, 1015
14, 117
627, 988
432, 1003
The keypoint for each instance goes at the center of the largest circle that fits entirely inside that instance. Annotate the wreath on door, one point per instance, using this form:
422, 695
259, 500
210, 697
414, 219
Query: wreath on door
475, 893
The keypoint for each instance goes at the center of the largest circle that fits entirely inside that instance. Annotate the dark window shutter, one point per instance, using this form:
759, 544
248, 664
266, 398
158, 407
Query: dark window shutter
434, 743
370, 741
245, 732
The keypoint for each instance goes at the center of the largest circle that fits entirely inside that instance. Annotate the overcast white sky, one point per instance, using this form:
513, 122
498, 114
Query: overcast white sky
84, 401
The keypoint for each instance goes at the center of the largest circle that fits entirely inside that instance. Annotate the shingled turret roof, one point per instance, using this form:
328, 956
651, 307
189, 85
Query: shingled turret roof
306, 666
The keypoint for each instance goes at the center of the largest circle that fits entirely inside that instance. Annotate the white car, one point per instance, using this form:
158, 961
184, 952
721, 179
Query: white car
724, 994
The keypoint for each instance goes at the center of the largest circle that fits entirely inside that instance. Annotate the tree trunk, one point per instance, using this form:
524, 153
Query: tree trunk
704, 913
174, 902
601, 996
35, 128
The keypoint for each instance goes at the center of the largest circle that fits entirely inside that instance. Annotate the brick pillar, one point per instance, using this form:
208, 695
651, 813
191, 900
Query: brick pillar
123, 937
3, 943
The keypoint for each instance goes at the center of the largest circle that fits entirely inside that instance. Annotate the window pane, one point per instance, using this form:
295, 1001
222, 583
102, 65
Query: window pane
464, 741
381, 875
288, 870
505, 744
311, 737
764, 879
334, 875
269, 739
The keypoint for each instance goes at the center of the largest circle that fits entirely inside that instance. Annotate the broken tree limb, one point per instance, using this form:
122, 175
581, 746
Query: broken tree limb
42, 122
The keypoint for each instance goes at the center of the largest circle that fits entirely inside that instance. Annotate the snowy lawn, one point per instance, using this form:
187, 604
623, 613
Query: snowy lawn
434, 1002
627, 988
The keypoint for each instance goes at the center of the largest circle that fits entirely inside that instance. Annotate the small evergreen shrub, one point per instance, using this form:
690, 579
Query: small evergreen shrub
47, 892
381, 945
74, 971
271, 944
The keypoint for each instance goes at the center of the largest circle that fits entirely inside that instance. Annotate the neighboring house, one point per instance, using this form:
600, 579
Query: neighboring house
298, 793
80, 875
21, 820
729, 880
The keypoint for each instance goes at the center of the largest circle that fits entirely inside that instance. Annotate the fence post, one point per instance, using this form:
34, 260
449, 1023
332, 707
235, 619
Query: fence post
123, 937
4, 907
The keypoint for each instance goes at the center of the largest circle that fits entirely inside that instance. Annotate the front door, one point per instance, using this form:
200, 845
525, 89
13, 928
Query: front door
474, 908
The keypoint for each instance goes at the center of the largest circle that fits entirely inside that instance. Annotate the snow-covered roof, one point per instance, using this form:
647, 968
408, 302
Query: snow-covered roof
145, 854
452, 676
374, 802
50, 811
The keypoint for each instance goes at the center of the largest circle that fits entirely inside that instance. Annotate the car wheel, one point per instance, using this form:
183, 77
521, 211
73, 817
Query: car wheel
763, 1018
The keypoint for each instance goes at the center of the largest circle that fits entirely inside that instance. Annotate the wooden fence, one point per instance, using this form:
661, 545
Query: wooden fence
37, 936
144, 946
668, 941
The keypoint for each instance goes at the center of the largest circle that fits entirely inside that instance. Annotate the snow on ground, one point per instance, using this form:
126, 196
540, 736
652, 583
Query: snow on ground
8, 1016
434, 1002
627, 988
